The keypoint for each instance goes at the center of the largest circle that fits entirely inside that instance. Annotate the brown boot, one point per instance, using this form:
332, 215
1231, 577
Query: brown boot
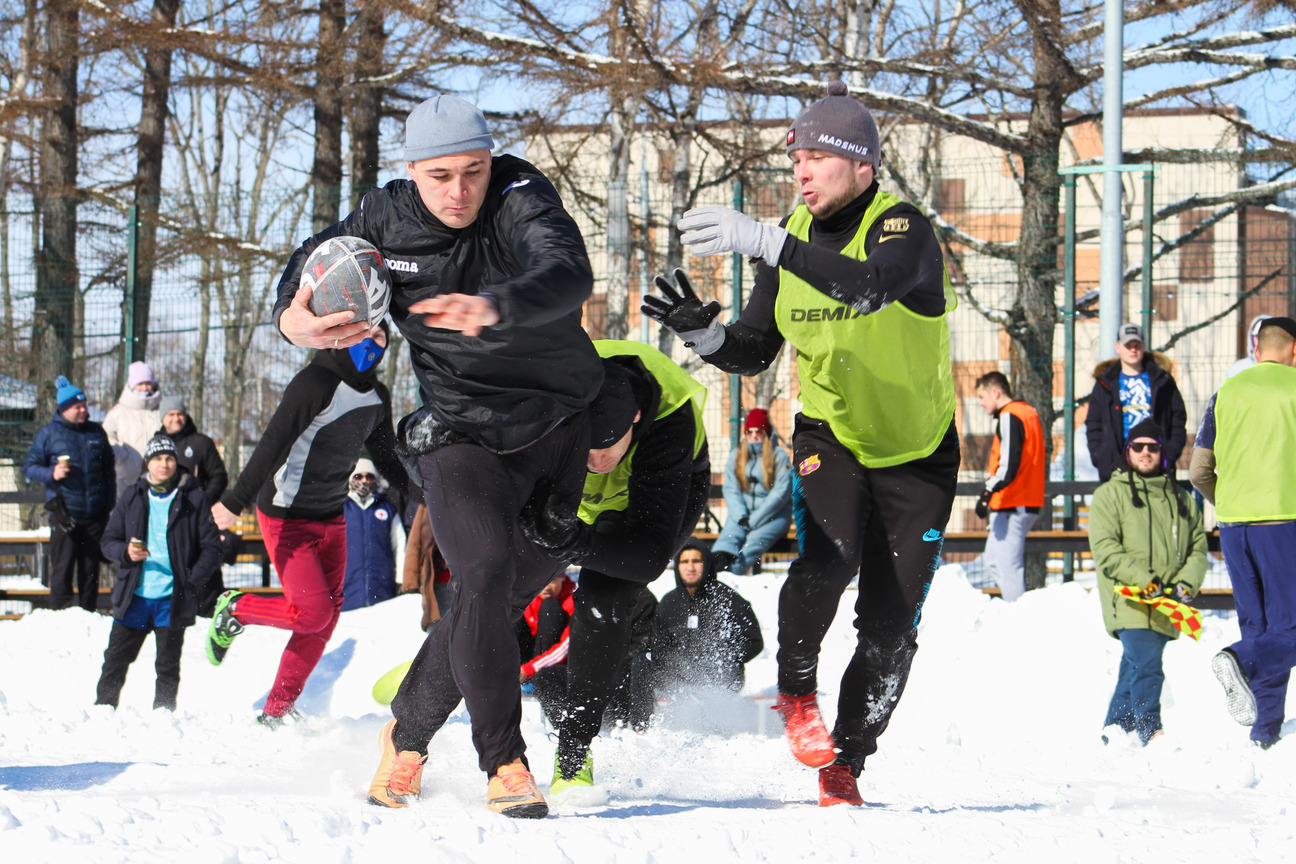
512, 792
399, 775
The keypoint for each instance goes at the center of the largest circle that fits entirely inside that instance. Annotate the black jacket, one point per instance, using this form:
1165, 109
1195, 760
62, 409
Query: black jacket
199, 456
514, 382
1105, 428
666, 482
301, 465
724, 636
192, 541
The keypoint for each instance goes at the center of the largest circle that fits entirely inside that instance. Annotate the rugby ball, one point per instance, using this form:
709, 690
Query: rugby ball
348, 274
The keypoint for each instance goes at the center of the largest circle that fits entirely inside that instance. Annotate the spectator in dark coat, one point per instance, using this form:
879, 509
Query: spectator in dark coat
163, 539
1131, 388
704, 630
195, 452
72, 457
375, 540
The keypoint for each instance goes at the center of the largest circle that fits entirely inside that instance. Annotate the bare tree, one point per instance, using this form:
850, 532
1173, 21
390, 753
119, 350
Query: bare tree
55, 318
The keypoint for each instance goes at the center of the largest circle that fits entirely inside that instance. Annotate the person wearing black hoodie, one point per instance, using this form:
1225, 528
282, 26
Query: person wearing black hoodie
297, 477
705, 631
649, 480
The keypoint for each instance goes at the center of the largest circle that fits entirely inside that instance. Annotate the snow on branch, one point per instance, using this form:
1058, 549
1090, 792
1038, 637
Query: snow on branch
1201, 325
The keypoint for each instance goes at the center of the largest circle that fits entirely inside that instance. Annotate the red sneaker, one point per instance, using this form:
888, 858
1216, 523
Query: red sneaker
806, 733
837, 786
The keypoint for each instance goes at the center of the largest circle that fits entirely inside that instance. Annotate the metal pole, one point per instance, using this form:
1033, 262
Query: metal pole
1068, 381
645, 283
1111, 303
735, 381
1147, 256
129, 338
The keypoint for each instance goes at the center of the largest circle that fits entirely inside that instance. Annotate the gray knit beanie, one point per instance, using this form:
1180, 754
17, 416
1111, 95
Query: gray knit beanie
837, 124
172, 403
444, 125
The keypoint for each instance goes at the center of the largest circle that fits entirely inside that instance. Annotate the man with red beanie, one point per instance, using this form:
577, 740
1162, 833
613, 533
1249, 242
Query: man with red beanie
855, 280
758, 497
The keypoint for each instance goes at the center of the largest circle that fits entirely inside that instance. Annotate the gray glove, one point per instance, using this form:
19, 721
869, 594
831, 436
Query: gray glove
715, 230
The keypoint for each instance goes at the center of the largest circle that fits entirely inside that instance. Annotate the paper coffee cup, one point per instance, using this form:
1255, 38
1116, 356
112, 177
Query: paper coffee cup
65, 460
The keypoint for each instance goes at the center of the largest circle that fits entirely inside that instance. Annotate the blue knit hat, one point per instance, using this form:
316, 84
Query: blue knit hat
68, 393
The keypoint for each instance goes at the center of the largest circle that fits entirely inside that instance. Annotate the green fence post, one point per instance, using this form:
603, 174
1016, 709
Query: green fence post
129, 338
1068, 384
1147, 256
735, 381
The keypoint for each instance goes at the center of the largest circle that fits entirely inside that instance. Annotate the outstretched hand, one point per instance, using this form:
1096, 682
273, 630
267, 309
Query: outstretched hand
467, 313
716, 230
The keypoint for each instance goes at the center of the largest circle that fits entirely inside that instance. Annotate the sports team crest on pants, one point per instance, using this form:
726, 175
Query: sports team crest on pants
808, 465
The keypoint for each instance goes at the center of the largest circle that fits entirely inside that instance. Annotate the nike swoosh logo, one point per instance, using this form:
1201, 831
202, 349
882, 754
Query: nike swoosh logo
932, 534
882, 240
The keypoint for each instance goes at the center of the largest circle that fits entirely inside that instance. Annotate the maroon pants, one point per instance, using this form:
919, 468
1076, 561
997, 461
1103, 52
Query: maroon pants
310, 557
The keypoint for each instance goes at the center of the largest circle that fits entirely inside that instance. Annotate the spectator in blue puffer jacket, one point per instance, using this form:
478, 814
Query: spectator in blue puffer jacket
375, 540
72, 457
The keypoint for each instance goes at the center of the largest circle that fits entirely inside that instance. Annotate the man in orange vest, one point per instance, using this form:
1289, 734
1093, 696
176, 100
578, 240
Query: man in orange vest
1014, 491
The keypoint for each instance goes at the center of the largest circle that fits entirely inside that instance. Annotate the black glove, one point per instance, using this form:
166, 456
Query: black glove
1154, 589
680, 311
564, 537
983, 505
1179, 591
744, 522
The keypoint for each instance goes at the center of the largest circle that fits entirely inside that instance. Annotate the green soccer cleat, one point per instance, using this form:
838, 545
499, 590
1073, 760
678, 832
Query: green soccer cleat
577, 790
224, 627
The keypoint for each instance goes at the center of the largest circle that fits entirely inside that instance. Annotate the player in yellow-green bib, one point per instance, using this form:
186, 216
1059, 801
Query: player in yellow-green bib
648, 483
855, 280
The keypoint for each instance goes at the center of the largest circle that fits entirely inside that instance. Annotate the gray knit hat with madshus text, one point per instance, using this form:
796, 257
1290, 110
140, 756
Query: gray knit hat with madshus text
837, 124
444, 125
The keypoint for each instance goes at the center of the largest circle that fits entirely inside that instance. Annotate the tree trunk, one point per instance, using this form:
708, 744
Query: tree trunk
326, 172
621, 122
54, 318
148, 167
364, 108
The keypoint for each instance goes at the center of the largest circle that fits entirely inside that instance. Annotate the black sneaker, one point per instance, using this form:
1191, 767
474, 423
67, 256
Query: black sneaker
1241, 703
224, 627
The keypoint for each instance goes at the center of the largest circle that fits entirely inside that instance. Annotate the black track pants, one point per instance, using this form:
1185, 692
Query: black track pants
601, 629
887, 525
473, 498
124, 645
74, 563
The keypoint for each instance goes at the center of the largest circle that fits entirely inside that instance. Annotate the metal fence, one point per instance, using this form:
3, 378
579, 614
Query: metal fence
196, 338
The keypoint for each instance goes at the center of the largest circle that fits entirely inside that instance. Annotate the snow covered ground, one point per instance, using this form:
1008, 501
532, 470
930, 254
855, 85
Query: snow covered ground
993, 755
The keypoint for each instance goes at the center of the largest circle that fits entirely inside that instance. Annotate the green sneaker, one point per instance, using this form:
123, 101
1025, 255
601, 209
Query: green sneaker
579, 789
224, 627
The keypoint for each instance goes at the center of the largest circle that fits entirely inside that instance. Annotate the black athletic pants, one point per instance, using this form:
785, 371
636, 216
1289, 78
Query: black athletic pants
74, 563
124, 646
887, 525
601, 629
473, 498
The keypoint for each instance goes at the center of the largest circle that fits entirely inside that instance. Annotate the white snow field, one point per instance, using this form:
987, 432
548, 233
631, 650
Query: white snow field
993, 755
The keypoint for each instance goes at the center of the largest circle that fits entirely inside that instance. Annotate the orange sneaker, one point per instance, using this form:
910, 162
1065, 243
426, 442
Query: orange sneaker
399, 775
512, 792
806, 733
837, 786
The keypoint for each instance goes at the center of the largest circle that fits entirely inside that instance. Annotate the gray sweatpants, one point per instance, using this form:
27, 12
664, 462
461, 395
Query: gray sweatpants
1005, 550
